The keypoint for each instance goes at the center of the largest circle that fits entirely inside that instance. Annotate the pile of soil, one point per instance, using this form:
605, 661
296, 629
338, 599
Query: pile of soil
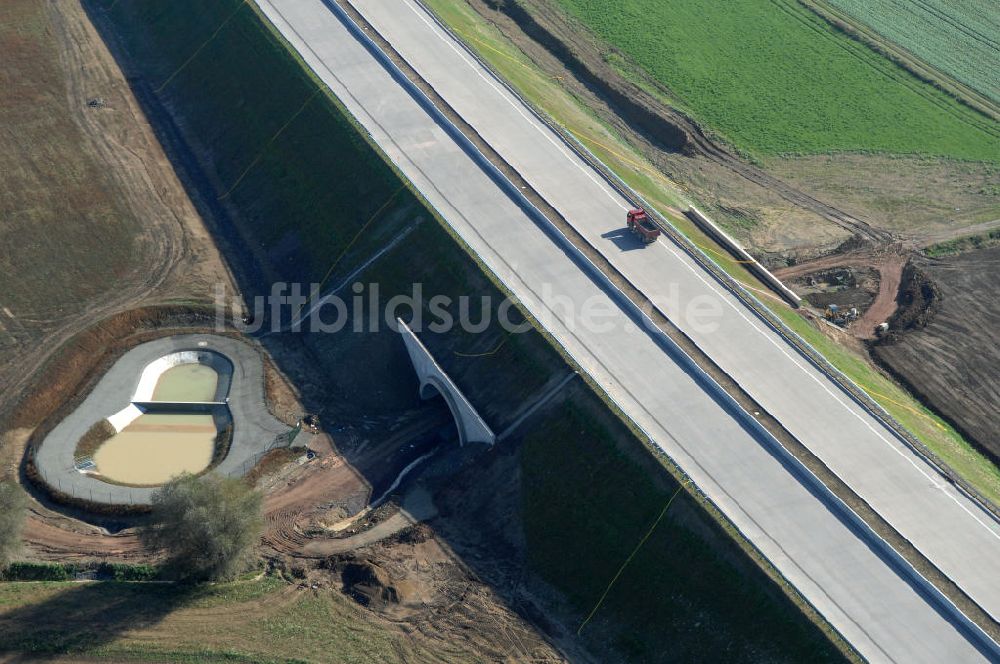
370, 585
919, 300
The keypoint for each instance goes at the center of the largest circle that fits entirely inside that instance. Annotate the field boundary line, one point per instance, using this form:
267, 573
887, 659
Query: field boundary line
904, 57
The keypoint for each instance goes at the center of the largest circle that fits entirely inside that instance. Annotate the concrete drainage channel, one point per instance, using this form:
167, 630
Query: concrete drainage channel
494, 167
167, 405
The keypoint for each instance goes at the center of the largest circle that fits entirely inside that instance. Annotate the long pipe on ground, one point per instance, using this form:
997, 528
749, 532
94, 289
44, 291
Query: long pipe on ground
720, 236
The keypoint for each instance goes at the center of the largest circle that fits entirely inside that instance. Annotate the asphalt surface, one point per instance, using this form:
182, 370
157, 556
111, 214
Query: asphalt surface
253, 426
840, 573
952, 531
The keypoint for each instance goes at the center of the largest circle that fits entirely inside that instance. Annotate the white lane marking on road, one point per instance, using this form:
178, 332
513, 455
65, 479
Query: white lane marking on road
545, 132
908, 457
516, 105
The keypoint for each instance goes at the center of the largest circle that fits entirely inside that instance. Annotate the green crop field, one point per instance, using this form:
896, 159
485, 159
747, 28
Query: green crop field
773, 78
961, 38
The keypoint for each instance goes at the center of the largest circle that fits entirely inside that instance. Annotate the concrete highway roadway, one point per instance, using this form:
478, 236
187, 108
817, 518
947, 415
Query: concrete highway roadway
830, 560
960, 538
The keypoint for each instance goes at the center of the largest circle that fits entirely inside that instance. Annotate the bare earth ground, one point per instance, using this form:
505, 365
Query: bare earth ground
438, 605
914, 198
954, 361
96, 218
888, 265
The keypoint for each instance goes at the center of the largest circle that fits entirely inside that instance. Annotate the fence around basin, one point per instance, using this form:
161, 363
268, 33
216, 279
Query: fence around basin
99, 492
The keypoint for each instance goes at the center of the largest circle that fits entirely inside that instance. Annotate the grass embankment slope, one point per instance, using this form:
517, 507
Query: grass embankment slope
959, 38
320, 183
547, 94
296, 222
590, 496
775, 79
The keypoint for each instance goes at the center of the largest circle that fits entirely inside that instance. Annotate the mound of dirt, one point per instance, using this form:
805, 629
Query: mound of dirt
370, 585
919, 300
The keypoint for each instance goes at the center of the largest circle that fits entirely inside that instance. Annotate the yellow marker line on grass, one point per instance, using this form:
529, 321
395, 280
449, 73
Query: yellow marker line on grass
487, 353
203, 45
628, 560
263, 150
907, 407
358, 235
496, 50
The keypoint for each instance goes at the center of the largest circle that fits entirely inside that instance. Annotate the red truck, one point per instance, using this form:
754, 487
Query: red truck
643, 227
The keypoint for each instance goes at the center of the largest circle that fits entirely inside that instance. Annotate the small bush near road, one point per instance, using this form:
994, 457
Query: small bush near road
126, 572
12, 505
30, 571
207, 526
103, 571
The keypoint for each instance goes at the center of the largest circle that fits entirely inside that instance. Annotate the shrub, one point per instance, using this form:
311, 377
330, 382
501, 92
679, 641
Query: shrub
126, 572
22, 571
207, 526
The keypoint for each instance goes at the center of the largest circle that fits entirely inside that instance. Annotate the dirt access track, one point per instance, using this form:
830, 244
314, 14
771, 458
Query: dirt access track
889, 266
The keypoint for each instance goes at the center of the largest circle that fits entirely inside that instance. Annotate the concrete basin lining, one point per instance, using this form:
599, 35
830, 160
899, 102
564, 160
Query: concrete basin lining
153, 371
241, 386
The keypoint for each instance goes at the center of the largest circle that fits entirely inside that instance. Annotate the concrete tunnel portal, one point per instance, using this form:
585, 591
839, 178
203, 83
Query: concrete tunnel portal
434, 381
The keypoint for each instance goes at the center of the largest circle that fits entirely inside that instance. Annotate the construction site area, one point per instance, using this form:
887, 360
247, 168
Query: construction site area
379, 524
428, 494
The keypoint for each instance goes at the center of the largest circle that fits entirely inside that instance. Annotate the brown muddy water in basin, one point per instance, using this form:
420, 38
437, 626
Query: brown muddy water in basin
156, 447
187, 382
